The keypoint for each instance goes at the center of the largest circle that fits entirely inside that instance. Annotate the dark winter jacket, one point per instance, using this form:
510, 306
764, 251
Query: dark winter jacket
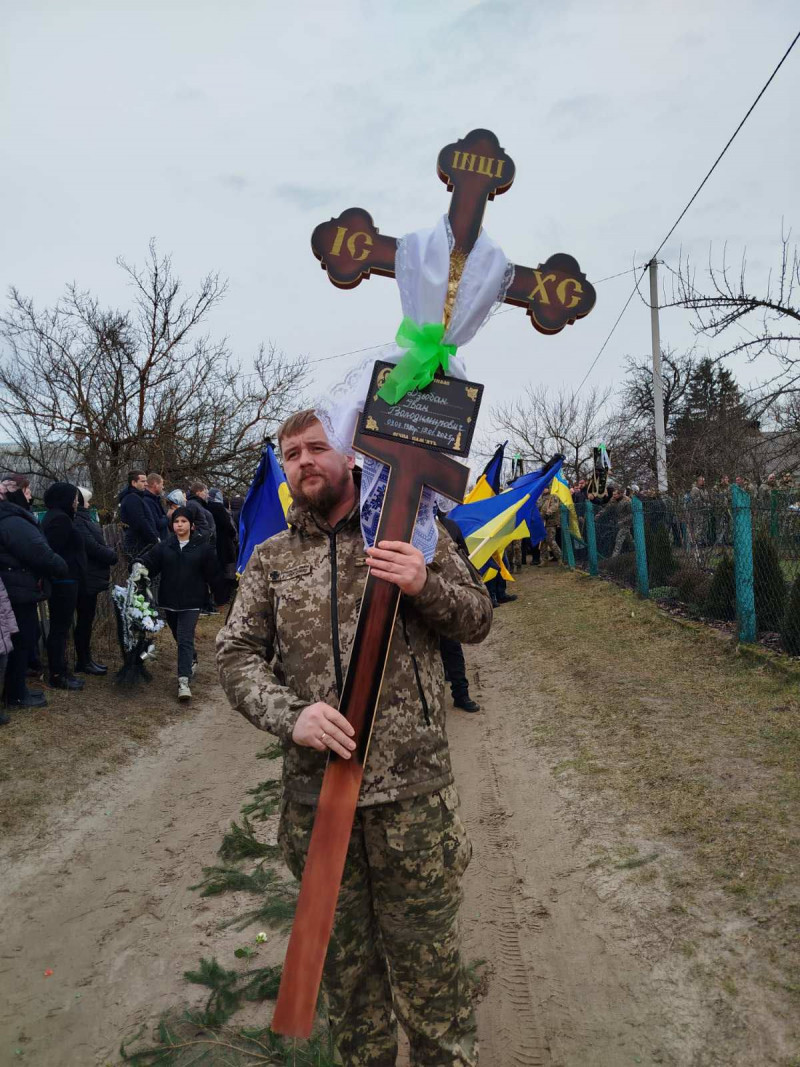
140, 531
26, 559
99, 556
185, 572
58, 526
159, 516
226, 534
201, 517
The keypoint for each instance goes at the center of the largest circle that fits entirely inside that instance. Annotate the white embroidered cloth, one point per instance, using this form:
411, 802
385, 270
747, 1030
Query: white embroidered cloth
422, 269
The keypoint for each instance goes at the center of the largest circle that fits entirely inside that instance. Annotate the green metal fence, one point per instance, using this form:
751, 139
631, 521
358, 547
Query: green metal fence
731, 556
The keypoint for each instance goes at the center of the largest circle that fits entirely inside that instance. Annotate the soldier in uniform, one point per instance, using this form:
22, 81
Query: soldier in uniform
550, 510
282, 656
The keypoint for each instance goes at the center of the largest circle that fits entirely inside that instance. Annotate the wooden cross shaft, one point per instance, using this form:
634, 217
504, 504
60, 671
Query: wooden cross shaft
410, 470
475, 169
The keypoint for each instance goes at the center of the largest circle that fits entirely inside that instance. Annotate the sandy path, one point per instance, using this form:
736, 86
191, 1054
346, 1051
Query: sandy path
102, 898
568, 986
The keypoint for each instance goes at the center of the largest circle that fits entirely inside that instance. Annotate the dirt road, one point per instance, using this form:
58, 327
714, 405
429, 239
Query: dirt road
582, 962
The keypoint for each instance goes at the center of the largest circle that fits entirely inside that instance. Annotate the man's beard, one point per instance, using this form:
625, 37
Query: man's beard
324, 497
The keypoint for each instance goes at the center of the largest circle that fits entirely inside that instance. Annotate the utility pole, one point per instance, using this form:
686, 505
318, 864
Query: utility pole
658, 382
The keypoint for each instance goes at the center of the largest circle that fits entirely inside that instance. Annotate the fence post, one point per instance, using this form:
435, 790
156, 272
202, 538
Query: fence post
642, 583
591, 538
743, 563
566, 539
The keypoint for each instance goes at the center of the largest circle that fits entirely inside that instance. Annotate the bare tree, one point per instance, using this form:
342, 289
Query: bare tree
542, 423
99, 391
753, 324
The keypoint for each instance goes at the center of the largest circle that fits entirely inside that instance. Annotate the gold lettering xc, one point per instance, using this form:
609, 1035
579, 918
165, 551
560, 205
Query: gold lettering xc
539, 289
561, 292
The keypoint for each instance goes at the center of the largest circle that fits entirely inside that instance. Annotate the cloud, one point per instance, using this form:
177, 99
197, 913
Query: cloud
237, 182
573, 116
305, 196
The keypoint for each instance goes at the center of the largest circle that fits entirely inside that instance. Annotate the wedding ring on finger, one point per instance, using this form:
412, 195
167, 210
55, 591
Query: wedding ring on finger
324, 739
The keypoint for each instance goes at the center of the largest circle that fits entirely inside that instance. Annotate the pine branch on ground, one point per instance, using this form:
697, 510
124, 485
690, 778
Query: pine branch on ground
240, 842
218, 880
266, 797
277, 910
230, 989
181, 1043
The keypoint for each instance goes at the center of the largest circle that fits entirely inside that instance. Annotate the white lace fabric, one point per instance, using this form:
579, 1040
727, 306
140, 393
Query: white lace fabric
422, 268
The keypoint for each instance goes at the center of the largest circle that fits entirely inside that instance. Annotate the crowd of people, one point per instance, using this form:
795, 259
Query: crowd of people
185, 541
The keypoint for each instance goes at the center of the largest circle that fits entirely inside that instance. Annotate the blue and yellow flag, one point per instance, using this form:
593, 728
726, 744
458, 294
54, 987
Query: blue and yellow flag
560, 488
491, 524
264, 511
489, 482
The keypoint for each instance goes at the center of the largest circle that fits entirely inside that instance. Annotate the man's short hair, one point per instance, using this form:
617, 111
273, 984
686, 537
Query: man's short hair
295, 424
133, 475
154, 478
197, 487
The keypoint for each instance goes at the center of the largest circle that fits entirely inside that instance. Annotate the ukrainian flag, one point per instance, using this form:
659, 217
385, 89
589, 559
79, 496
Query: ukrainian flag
489, 482
264, 511
491, 524
560, 488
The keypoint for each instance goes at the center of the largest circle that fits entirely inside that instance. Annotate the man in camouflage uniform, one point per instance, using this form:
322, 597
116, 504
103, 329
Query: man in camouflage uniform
550, 510
620, 509
282, 658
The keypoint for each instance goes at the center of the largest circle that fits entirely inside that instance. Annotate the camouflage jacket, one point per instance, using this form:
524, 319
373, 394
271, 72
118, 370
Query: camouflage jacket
288, 639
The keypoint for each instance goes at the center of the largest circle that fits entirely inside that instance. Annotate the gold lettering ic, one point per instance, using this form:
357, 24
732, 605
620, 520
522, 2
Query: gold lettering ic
561, 292
336, 247
485, 165
499, 172
539, 289
359, 255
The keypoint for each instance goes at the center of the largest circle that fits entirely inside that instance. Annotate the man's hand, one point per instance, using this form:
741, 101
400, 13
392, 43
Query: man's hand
399, 563
320, 726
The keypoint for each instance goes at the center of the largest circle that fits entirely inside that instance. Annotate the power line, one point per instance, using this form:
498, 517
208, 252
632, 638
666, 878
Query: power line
689, 204
611, 333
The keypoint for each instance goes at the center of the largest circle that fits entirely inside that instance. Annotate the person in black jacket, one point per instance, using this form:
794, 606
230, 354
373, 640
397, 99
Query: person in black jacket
187, 565
26, 562
201, 516
227, 541
152, 498
100, 558
58, 526
140, 530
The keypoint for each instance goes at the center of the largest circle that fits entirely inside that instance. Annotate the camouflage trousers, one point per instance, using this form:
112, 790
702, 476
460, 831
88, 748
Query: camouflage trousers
515, 557
395, 949
550, 544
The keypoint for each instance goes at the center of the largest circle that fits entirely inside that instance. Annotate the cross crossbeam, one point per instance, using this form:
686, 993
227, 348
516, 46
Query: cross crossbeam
475, 169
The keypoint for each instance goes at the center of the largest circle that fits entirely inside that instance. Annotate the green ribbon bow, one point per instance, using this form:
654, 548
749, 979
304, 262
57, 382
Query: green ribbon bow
426, 353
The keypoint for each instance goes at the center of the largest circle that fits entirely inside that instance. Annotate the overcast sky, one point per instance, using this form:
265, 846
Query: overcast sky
228, 130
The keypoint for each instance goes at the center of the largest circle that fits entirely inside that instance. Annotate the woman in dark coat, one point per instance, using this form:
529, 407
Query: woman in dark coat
100, 558
58, 526
188, 565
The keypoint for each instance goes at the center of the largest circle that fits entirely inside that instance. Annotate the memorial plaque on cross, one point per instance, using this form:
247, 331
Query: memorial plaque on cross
416, 437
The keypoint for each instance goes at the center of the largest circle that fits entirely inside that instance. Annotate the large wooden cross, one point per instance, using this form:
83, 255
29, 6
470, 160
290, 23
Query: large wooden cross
555, 293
